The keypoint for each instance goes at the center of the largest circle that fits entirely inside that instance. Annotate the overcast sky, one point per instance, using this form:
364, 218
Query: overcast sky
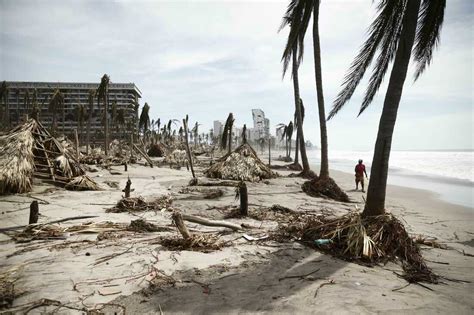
206, 59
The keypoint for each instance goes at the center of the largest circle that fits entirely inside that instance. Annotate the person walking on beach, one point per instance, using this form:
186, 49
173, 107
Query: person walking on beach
359, 175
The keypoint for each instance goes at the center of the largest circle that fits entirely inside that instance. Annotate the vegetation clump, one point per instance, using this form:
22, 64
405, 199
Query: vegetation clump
325, 188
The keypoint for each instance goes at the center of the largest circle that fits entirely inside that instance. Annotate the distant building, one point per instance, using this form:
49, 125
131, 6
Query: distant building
261, 125
218, 128
21, 97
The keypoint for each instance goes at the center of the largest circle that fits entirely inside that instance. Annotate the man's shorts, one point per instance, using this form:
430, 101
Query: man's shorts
359, 178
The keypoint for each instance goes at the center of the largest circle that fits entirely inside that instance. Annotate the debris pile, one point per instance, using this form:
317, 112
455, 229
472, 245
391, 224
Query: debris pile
202, 193
29, 150
325, 188
157, 150
375, 239
82, 182
136, 204
241, 164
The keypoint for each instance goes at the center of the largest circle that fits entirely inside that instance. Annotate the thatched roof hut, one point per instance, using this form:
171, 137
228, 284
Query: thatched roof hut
241, 164
29, 150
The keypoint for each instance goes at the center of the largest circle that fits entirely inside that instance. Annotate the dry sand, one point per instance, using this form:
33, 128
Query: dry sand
243, 278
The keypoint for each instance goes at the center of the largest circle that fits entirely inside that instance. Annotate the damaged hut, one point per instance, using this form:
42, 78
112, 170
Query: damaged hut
241, 164
29, 151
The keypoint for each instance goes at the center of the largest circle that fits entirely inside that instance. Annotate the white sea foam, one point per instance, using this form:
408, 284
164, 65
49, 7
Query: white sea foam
450, 164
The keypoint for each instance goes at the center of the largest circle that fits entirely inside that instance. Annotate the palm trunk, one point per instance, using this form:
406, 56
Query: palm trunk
375, 204
106, 122
324, 172
297, 147
304, 157
89, 119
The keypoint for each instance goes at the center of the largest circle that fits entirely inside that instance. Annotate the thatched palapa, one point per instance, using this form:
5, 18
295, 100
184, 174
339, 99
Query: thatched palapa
241, 164
29, 150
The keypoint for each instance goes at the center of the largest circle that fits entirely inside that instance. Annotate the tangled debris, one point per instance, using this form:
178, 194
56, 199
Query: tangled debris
375, 239
201, 192
241, 164
157, 150
82, 182
136, 204
325, 188
142, 226
8, 293
197, 242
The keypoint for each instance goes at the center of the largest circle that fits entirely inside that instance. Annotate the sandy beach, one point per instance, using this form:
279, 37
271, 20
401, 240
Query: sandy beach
133, 273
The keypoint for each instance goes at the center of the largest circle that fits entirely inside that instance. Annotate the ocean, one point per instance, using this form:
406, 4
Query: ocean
449, 174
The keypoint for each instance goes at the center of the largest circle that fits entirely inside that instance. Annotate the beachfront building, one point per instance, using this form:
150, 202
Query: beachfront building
23, 97
261, 125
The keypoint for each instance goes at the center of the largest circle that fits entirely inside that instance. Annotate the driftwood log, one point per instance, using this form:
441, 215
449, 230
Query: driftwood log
144, 155
207, 222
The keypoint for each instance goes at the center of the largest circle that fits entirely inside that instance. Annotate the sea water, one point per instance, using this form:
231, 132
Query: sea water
450, 174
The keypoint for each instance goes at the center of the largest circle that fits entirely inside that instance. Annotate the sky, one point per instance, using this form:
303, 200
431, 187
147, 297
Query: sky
209, 58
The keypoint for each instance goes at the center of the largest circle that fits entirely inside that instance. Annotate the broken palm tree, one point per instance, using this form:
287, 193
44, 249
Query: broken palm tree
29, 151
138, 204
375, 239
241, 164
195, 242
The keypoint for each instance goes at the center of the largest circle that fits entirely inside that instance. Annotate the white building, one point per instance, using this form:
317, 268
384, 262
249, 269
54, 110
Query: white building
261, 125
218, 128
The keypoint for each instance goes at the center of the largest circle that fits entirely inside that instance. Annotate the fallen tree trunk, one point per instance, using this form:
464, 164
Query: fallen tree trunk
144, 155
50, 222
207, 222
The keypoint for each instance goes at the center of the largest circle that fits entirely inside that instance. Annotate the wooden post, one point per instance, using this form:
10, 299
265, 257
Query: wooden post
244, 200
190, 159
131, 145
125, 166
34, 212
77, 143
127, 188
178, 221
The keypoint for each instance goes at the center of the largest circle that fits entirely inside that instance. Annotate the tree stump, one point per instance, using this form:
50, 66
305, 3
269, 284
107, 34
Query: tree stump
244, 201
127, 188
125, 165
34, 212
178, 221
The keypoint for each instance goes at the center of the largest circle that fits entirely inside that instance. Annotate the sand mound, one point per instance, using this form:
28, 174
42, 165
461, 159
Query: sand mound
241, 164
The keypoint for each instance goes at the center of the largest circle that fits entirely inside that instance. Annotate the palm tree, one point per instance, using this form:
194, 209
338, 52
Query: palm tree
289, 136
144, 123
120, 121
55, 104
80, 116
401, 27
227, 134
299, 13
4, 91
195, 131
302, 109
282, 126
292, 49
103, 94
90, 110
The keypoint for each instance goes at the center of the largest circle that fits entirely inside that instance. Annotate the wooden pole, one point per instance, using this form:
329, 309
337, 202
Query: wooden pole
187, 147
34, 212
179, 222
125, 166
244, 201
77, 143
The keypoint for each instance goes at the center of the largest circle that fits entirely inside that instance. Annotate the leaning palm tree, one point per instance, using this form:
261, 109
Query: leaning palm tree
402, 28
103, 94
55, 104
90, 110
302, 109
226, 141
299, 13
293, 52
144, 123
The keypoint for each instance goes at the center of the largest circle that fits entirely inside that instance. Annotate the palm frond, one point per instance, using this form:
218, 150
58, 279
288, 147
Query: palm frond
428, 33
388, 48
376, 33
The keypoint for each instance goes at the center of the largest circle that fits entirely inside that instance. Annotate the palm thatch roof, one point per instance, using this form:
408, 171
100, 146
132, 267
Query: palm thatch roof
29, 151
241, 164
